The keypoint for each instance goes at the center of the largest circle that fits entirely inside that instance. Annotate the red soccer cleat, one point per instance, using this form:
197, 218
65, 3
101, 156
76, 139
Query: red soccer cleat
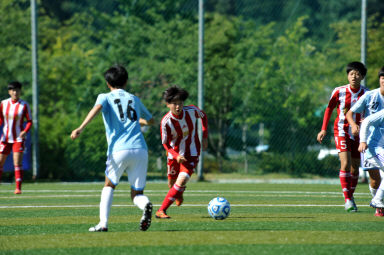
379, 212
17, 191
162, 215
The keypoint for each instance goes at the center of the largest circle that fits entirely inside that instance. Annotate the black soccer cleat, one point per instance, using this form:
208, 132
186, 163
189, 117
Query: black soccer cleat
146, 219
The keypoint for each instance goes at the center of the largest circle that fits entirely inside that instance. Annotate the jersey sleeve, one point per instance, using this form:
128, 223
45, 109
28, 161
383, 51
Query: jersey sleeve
204, 120
102, 100
144, 113
333, 101
1, 114
165, 132
27, 116
372, 120
361, 104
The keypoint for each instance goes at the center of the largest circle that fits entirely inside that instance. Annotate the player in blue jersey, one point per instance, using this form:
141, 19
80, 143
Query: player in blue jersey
372, 143
370, 103
127, 151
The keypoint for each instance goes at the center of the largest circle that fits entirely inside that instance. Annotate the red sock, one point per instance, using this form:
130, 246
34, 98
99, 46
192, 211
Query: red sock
345, 181
173, 193
18, 176
354, 181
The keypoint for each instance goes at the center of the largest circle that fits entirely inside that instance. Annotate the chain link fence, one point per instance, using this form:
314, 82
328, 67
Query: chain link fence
270, 67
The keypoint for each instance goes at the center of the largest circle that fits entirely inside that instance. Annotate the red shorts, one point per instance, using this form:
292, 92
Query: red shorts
175, 168
5, 148
347, 144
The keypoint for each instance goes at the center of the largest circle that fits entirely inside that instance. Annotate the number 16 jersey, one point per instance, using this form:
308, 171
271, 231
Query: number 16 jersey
121, 113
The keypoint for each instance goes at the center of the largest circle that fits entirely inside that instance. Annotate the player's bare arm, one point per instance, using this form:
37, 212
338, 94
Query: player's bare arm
92, 113
321, 135
354, 127
144, 122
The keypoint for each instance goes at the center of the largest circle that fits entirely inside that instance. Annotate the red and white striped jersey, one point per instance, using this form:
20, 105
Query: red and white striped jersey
179, 135
12, 115
343, 98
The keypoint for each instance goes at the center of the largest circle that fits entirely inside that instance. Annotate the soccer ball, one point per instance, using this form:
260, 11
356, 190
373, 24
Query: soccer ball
219, 208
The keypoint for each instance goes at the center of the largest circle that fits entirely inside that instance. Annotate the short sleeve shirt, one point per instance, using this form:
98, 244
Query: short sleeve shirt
121, 113
370, 103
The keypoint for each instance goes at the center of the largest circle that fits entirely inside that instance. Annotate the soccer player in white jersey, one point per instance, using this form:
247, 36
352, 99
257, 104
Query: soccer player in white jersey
127, 150
179, 136
343, 98
370, 103
13, 112
372, 144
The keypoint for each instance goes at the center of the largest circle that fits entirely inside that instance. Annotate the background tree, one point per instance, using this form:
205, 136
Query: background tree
15, 57
266, 62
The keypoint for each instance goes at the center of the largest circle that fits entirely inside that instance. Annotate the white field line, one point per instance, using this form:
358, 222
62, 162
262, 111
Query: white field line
189, 191
184, 205
124, 193
12, 197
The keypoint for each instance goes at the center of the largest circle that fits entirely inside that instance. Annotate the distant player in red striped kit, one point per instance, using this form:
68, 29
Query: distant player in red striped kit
343, 98
179, 136
13, 111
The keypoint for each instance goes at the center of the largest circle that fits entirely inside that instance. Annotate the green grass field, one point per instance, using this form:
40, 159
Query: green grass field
53, 218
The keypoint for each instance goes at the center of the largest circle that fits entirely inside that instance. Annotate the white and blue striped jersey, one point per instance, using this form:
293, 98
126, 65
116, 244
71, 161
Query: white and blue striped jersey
121, 113
372, 133
369, 103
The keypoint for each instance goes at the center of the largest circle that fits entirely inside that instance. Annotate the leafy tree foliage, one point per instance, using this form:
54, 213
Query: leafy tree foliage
15, 56
266, 62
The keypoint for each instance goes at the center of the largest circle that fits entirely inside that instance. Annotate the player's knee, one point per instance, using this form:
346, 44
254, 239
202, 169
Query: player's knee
182, 179
355, 167
171, 182
109, 184
344, 166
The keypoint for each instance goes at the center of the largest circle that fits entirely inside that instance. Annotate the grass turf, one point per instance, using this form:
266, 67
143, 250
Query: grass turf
53, 218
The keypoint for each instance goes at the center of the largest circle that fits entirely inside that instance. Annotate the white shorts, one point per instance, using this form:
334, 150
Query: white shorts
134, 162
376, 162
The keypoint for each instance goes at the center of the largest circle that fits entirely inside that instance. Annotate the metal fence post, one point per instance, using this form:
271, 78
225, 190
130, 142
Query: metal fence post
35, 92
201, 83
364, 35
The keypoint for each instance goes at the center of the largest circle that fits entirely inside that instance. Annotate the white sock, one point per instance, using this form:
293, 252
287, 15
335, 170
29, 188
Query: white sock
141, 201
372, 190
380, 192
105, 205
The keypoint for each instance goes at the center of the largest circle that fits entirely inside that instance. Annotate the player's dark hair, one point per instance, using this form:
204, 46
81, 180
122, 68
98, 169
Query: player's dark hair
175, 93
14, 85
358, 66
381, 72
116, 76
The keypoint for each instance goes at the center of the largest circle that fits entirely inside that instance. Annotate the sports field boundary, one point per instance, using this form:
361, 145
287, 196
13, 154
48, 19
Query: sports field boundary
158, 205
331, 181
